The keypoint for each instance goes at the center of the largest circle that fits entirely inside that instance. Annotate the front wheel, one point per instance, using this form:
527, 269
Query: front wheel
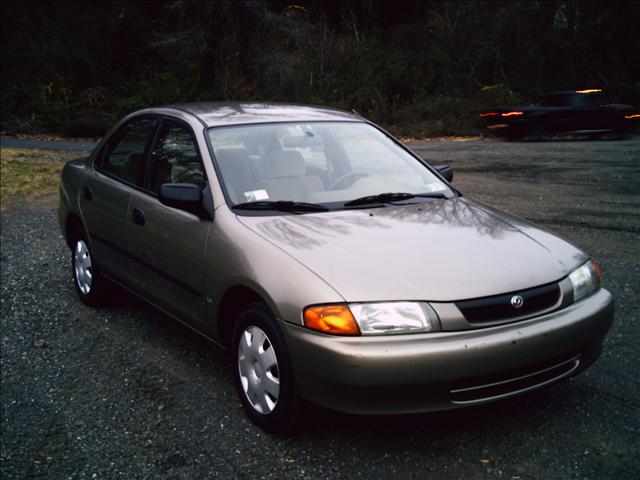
263, 373
517, 131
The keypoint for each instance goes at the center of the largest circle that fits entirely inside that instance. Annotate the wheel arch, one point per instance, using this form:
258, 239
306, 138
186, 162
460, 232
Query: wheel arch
72, 224
232, 302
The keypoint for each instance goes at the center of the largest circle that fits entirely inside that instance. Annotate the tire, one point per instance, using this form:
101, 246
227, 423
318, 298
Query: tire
518, 131
87, 279
262, 371
592, 137
537, 132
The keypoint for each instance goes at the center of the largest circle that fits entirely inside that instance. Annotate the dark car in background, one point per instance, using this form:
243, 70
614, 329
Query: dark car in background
584, 112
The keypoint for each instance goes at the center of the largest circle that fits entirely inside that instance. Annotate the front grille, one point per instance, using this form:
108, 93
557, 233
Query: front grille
499, 307
482, 389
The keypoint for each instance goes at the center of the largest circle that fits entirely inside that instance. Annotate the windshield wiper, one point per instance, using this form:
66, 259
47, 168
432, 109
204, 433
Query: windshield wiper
390, 197
282, 206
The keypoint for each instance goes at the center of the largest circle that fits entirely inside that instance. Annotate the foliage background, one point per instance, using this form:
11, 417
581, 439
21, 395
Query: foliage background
417, 67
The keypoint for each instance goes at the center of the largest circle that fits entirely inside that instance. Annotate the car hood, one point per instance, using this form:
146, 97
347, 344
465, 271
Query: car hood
439, 250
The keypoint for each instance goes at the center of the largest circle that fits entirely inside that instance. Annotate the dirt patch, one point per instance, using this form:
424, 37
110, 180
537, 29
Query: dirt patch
32, 175
49, 137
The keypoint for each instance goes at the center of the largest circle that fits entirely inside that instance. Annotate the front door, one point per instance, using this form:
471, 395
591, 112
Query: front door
169, 243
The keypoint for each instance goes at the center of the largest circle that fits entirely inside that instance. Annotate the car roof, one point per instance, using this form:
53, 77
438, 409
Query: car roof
215, 114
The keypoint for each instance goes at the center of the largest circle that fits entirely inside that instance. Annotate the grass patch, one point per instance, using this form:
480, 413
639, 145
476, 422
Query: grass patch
30, 174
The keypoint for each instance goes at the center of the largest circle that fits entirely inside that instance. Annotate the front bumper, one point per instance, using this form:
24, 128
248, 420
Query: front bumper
438, 371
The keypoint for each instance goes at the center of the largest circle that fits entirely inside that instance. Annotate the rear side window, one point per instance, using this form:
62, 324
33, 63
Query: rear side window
554, 101
174, 157
124, 155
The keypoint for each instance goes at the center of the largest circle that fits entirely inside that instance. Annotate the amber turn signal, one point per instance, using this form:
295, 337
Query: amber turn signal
598, 270
335, 319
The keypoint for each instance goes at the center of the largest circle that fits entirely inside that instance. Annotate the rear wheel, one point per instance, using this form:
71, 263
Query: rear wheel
537, 132
517, 132
86, 276
262, 371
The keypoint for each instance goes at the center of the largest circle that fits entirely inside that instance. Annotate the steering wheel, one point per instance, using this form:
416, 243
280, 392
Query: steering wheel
343, 179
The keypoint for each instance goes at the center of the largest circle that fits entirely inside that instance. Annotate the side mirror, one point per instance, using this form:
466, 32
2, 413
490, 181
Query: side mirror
183, 196
446, 171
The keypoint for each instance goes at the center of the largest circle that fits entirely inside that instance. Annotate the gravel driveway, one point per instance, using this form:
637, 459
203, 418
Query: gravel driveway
125, 392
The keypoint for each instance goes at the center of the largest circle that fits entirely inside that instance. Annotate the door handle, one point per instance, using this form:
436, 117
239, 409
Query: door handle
138, 216
87, 193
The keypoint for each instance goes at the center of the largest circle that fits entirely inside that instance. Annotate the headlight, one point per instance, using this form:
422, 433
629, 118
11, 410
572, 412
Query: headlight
394, 317
372, 318
585, 280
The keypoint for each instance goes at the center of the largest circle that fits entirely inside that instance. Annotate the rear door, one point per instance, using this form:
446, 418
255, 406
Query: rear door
106, 193
169, 243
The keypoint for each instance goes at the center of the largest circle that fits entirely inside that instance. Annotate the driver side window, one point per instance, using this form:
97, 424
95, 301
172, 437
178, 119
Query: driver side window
174, 158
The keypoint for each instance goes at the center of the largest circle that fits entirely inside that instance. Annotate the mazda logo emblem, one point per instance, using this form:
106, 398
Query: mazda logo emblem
517, 301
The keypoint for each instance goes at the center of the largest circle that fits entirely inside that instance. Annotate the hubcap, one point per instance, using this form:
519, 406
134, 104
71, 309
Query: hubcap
82, 266
258, 367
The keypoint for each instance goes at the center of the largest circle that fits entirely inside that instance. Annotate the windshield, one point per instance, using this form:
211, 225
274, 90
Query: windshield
316, 162
571, 99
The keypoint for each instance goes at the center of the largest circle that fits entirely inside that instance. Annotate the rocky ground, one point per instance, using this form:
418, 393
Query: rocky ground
125, 392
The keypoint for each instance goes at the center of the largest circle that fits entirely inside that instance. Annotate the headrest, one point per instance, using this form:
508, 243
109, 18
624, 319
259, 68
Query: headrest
228, 156
285, 163
234, 164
